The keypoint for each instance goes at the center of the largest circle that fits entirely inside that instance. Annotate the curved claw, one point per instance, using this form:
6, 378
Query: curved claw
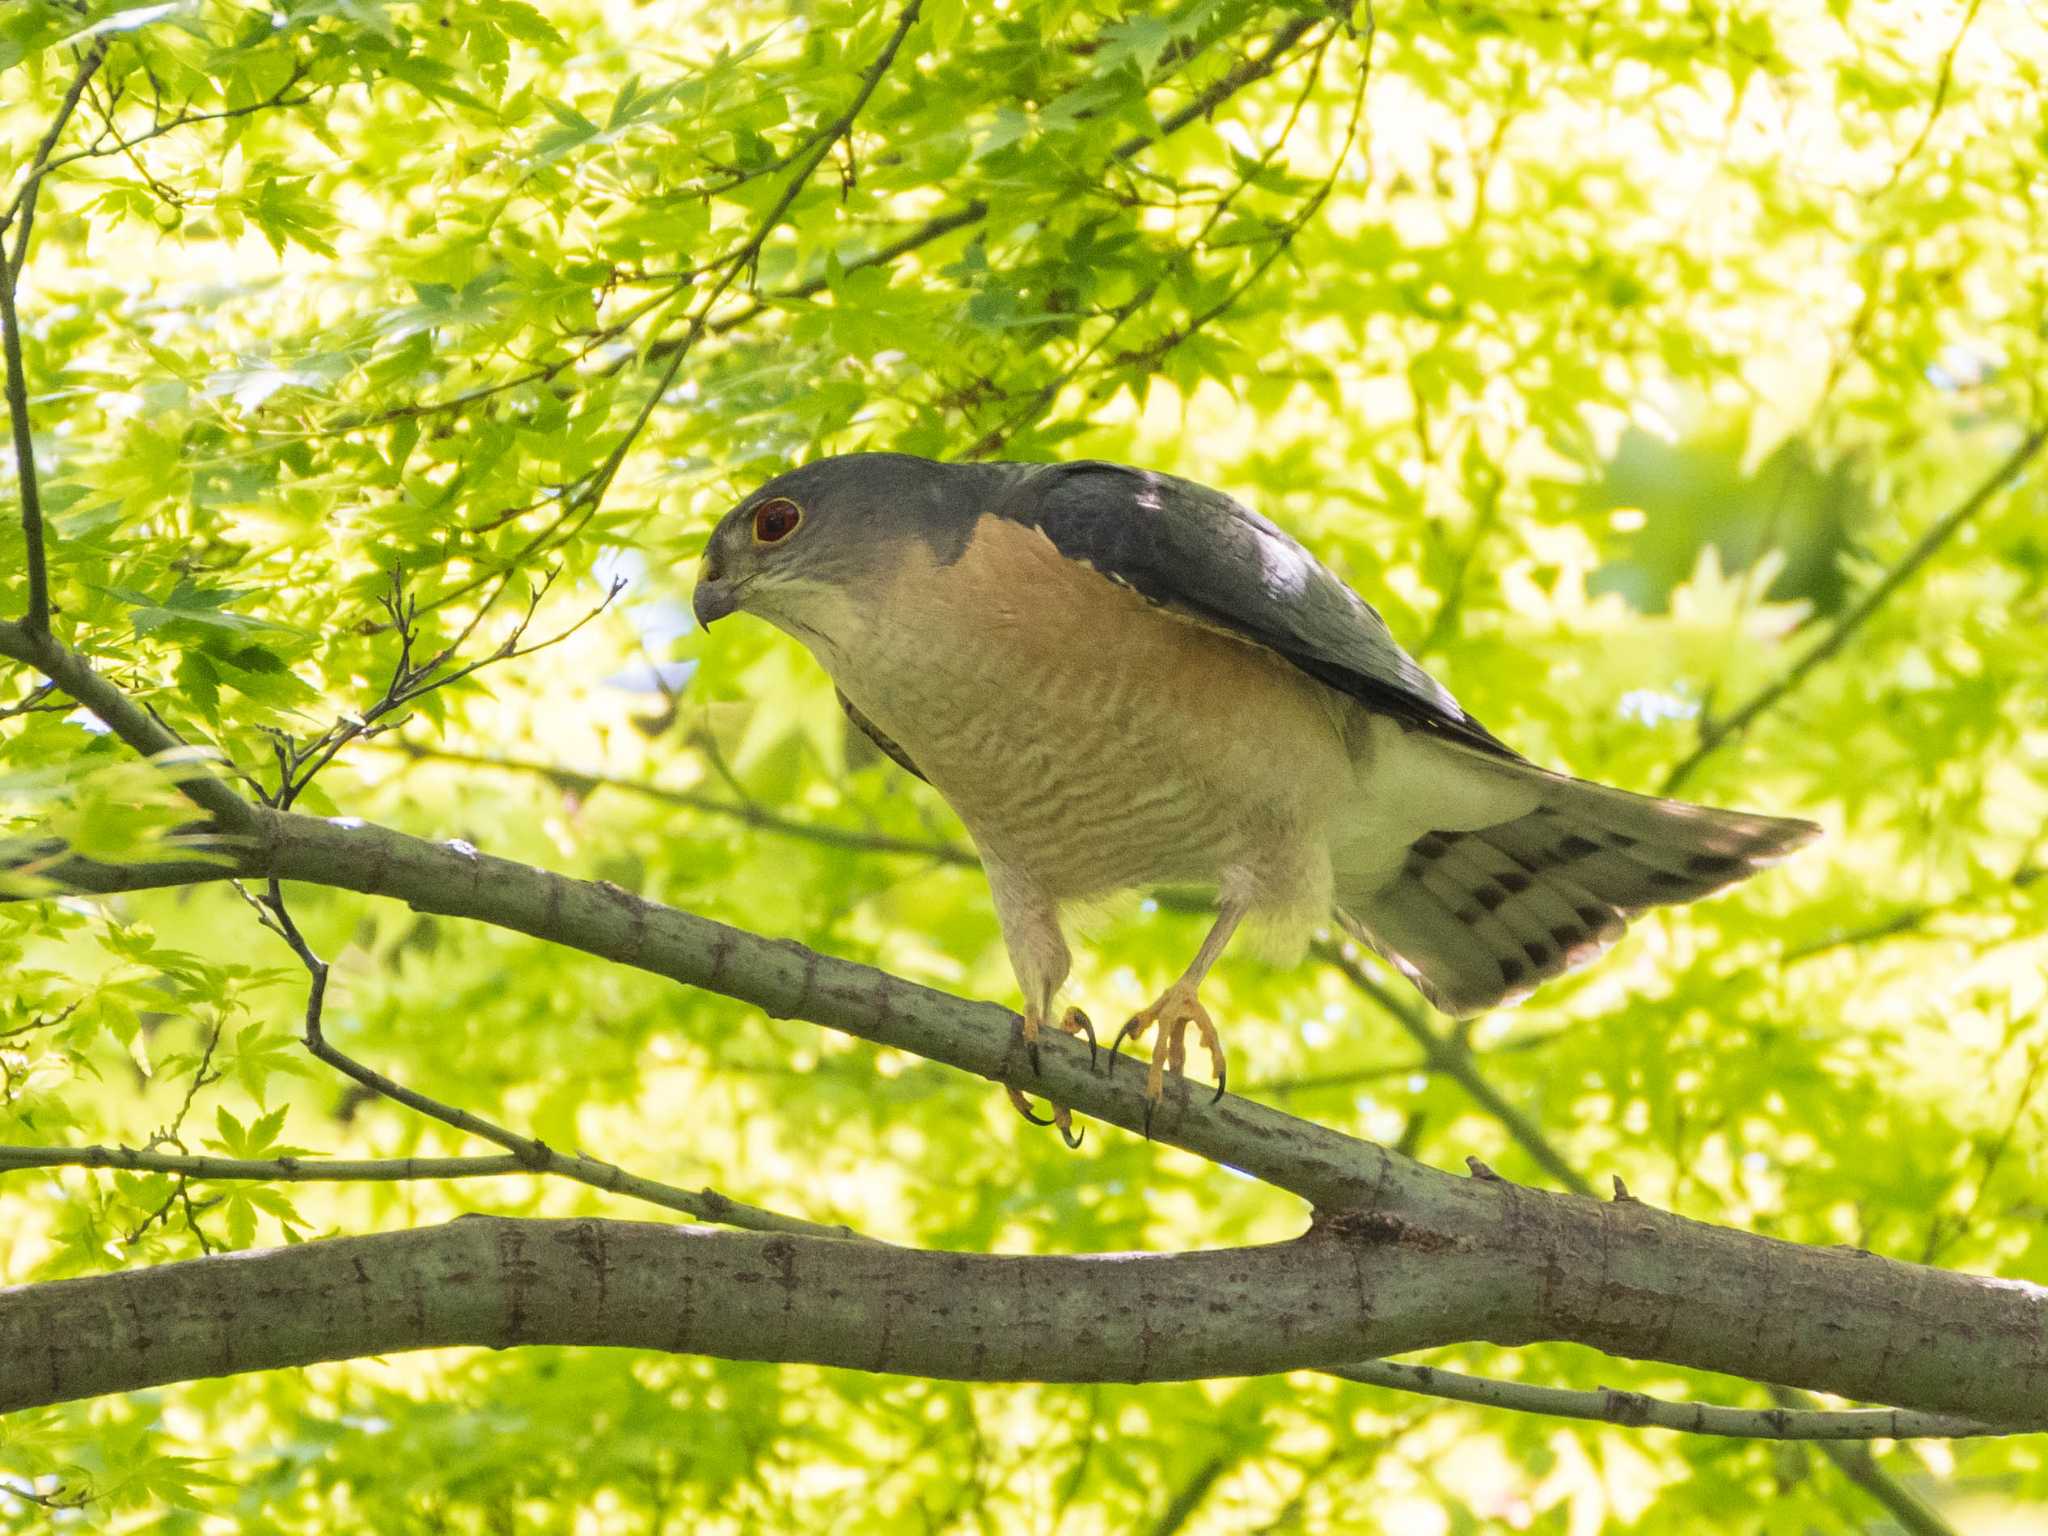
1068, 1134
1222, 1076
1078, 1023
1023, 1107
1134, 1026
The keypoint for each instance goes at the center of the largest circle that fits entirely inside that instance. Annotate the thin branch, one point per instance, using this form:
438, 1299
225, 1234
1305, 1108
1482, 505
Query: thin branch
759, 818
1934, 109
1855, 1462
1910, 920
411, 680
1042, 397
1188, 1497
530, 1155
1226, 85
705, 1204
103, 146
34, 703
1608, 1405
21, 211
582, 505
1245, 74
22, 214
37, 619
1713, 733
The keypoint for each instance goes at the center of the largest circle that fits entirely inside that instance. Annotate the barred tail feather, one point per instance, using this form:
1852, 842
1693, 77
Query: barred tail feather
1481, 917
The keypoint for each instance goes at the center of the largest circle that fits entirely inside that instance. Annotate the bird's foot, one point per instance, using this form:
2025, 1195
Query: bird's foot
1176, 1009
1074, 1022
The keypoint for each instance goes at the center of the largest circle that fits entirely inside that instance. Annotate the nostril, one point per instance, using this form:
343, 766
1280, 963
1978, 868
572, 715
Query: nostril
707, 568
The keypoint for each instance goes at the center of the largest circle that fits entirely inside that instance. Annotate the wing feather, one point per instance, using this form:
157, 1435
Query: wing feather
1209, 559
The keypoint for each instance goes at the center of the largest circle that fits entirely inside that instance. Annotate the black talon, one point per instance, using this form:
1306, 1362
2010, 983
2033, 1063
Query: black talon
1025, 1111
1150, 1105
1072, 1138
1087, 1029
1031, 1055
1116, 1046
1222, 1077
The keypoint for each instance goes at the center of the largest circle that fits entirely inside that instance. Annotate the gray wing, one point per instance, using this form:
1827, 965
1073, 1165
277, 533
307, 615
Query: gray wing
1200, 554
885, 744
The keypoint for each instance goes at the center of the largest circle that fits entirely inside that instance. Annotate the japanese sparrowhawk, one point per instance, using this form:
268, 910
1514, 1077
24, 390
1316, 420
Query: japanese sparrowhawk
1122, 679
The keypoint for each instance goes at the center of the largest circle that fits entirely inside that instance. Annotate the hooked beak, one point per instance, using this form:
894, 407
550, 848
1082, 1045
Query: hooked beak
713, 600
715, 596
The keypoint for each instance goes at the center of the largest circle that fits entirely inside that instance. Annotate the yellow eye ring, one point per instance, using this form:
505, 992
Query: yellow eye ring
776, 519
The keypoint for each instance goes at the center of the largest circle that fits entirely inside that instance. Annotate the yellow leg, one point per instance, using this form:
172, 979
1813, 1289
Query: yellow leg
1177, 1008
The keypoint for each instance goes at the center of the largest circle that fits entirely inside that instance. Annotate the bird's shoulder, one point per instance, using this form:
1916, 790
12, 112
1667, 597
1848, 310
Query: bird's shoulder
1207, 558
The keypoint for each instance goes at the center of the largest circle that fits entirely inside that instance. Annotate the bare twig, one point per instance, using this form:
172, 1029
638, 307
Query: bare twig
529, 1155
34, 703
412, 680
1911, 920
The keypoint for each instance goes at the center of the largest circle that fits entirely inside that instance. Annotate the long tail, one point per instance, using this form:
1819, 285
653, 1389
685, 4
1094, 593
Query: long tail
1481, 917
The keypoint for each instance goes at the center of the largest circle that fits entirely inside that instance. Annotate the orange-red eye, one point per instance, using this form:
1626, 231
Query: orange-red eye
776, 519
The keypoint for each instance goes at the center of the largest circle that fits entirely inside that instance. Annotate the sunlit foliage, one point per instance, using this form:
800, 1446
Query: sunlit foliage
1616, 351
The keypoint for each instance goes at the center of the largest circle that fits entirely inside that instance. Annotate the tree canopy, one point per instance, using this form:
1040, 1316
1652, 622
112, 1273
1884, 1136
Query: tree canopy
1669, 376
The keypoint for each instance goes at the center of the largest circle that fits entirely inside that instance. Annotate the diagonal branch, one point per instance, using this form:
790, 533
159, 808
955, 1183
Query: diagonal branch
1719, 730
21, 212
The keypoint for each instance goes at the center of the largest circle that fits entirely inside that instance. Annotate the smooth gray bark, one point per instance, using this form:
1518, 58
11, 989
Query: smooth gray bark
1498, 1261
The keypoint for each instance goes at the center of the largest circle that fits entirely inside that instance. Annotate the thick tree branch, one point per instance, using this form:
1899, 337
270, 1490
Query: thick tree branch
1620, 1276
1354, 1285
497, 1282
129, 721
